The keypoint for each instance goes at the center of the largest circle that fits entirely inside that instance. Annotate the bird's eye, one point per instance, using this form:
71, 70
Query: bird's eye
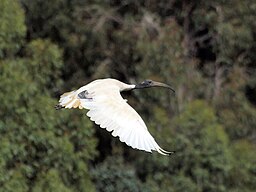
147, 82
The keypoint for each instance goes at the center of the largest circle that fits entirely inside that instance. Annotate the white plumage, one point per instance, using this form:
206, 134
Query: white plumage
110, 111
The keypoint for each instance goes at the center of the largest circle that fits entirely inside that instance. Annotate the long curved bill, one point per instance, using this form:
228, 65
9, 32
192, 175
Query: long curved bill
158, 84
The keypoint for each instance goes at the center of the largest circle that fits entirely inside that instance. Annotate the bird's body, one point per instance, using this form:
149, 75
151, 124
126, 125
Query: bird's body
109, 110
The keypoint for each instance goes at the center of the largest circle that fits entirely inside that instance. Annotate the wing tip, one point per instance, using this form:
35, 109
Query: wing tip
163, 152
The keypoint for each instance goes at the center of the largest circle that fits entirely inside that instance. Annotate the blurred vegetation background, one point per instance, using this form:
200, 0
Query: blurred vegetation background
204, 49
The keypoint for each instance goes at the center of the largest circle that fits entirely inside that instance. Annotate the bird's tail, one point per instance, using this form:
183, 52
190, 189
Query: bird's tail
69, 100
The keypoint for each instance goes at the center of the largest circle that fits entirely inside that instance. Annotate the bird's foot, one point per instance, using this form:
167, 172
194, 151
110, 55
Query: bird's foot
58, 107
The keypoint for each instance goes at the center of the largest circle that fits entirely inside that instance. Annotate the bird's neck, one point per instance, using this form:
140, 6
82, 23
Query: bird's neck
127, 87
140, 86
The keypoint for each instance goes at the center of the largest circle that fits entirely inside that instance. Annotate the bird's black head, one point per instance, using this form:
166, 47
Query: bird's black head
145, 84
150, 83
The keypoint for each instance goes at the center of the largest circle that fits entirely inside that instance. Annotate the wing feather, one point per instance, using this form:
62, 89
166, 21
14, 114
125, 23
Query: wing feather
109, 110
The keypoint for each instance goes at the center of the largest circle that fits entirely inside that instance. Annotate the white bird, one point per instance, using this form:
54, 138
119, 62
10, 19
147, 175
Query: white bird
110, 111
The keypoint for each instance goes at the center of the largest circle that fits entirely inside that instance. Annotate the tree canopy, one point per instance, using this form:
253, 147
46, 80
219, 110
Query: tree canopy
204, 49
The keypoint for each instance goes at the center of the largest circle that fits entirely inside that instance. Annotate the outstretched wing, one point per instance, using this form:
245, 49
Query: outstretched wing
110, 111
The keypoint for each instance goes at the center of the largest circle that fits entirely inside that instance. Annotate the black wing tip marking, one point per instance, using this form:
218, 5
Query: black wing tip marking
171, 152
167, 152
84, 95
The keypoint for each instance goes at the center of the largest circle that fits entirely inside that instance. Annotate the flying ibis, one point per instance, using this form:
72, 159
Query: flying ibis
110, 111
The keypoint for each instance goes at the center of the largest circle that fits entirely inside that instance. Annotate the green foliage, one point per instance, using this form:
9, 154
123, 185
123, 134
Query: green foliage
41, 150
236, 113
12, 28
110, 176
204, 146
177, 183
41, 138
202, 159
45, 59
50, 182
243, 170
15, 182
